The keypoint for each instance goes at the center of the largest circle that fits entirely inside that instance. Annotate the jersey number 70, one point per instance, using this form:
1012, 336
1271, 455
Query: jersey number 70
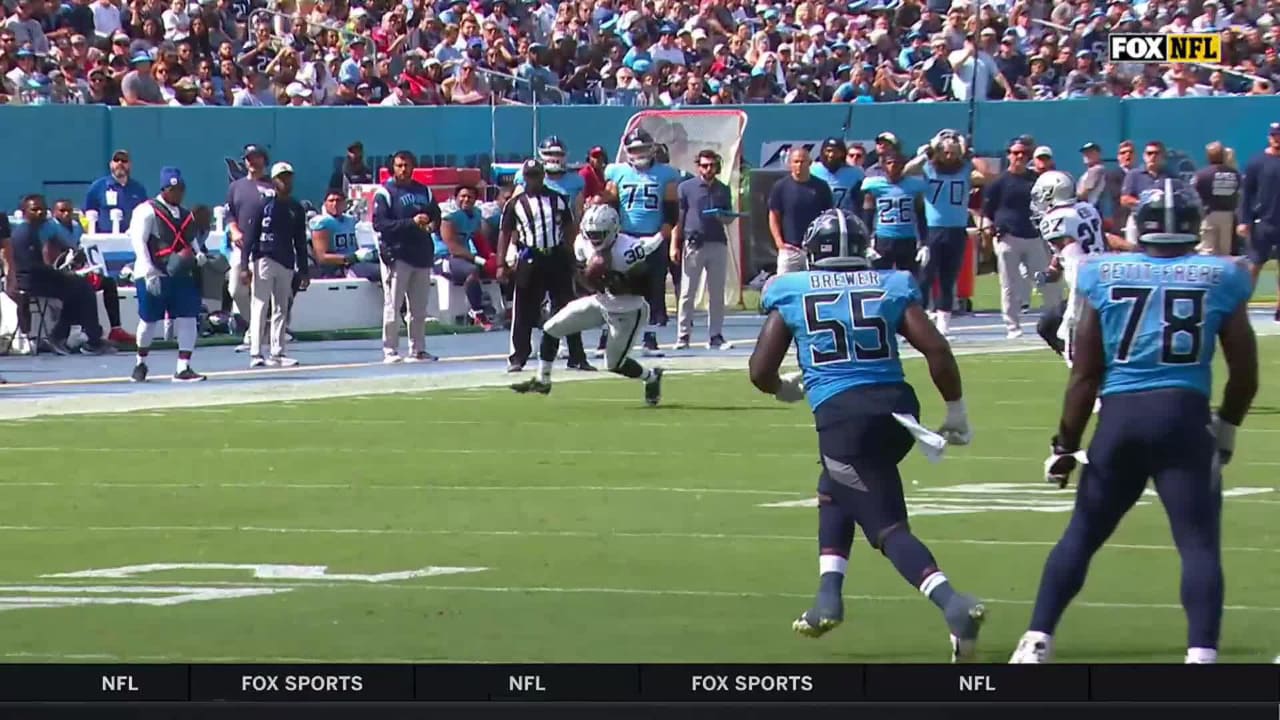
840, 332
1172, 322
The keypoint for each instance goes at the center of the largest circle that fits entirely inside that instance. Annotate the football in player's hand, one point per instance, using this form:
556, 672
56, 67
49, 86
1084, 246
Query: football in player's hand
597, 270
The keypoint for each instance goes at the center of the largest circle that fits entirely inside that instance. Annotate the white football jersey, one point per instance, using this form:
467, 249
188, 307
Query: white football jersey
1079, 222
1081, 226
625, 255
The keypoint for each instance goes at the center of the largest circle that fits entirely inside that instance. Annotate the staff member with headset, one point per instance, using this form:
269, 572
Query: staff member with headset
700, 245
540, 221
405, 218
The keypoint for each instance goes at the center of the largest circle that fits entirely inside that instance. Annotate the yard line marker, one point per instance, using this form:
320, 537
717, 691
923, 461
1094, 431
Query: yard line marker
415, 532
344, 450
674, 592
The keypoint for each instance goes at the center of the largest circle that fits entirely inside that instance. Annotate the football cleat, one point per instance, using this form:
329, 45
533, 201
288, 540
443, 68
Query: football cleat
717, 342
581, 366
188, 375
682, 343
391, 357
965, 616
649, 345
533, 385
653, 389
813, 625
139, 373
1035, 648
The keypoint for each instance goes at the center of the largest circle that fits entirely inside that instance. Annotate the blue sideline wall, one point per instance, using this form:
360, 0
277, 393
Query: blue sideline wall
59, 150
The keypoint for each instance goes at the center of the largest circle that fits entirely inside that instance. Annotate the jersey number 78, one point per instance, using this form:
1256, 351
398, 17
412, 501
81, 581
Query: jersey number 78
840, 332
1172, 322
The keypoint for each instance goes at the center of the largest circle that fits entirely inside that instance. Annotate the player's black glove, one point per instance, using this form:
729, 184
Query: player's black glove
1061, 462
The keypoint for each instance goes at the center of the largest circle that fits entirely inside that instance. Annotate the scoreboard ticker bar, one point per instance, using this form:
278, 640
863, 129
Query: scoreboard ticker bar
643, 683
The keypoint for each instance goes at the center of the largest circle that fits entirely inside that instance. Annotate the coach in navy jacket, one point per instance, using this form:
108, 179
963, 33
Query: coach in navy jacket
404, 216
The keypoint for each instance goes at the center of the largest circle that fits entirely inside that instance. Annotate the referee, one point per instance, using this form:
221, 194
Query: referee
540, 222
1260, 206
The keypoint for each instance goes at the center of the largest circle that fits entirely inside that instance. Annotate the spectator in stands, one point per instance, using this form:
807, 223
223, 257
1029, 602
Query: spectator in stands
34, 246
115, 191
139, 86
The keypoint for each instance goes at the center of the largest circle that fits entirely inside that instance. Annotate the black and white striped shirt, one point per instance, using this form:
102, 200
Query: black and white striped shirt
540, 220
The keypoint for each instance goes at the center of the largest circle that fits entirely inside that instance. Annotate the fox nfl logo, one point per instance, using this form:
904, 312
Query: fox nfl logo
1162, 48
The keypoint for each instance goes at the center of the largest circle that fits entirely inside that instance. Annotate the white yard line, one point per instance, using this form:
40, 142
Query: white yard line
671, 592
413, 532
611, 452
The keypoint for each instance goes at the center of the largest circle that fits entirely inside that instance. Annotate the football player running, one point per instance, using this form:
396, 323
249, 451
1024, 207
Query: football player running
619, 303
1145, 342
1074, 230
645, 193
844, 318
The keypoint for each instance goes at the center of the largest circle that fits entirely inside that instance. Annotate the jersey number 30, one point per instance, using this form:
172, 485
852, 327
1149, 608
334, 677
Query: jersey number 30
1172, 322
840, 332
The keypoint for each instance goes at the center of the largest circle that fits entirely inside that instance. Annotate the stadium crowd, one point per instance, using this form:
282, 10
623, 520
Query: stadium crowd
656, 53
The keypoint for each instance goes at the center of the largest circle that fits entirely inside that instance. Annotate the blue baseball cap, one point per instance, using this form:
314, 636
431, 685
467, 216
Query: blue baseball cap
25, 53
140, 58
170, 177
641, 67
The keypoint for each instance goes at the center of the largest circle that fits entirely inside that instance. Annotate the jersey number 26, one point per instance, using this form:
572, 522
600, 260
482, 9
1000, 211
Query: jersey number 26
840, 331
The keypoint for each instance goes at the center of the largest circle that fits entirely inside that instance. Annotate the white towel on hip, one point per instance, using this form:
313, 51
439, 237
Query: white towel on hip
927, 441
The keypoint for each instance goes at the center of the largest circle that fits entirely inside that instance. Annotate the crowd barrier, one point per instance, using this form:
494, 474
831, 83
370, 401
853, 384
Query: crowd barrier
60, 149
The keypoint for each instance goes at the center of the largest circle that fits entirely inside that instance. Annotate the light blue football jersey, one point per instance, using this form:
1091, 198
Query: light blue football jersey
946, 202
895, 205
641, 194
1161, 316
569, 184
845, 325
845, 184
465, 224
342, 232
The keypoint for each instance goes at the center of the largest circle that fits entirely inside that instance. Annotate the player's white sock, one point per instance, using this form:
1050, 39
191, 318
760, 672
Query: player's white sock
146, 334
1201, 656
141, 357
183, 364
185, 329
544, 369
832, 564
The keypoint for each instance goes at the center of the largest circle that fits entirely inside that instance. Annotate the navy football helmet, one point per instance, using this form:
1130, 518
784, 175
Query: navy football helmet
552, 153
639, 146
837, 240
1168, 213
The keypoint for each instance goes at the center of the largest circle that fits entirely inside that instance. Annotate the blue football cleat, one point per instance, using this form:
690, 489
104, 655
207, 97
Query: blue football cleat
826, 614
965, 615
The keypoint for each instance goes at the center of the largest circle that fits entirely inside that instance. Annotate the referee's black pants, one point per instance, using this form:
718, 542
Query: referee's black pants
543, 273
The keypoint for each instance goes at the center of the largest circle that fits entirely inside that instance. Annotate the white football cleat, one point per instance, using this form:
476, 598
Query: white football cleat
1035, 648
942, 321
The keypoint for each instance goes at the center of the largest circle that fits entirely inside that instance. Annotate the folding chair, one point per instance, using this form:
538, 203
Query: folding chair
31, 308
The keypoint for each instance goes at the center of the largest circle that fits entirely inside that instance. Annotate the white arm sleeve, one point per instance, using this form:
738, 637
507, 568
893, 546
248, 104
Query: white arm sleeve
650, 243
140, 227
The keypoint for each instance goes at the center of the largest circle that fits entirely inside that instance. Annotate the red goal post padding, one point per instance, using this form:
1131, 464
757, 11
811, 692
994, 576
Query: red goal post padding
685, 133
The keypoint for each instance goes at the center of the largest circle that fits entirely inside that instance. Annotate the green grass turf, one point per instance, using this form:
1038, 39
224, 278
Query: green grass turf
610, 531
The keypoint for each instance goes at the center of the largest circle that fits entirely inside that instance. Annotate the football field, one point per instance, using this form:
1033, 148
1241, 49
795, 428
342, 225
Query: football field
471, 524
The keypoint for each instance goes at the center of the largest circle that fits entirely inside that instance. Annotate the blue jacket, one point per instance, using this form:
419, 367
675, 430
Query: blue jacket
278, 230
394, 207
105, 194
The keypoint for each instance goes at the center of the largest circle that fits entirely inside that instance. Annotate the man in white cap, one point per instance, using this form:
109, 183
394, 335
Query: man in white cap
299, 95
1042, 160
275, 251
